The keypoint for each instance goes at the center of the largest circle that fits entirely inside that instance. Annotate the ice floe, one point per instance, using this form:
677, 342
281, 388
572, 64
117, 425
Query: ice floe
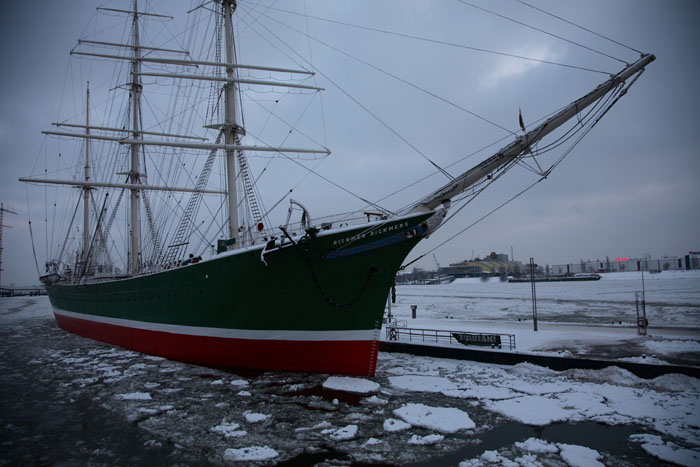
374, 400
392, 424
372, 442
229, 430
667, 451
579, 456
134, 396
252, 417
425, 440
422, 383
250, 454
533, 451
442, 419
341, 434
347, 384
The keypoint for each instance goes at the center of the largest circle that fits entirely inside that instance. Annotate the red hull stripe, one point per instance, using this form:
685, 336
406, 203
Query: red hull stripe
352, 357
274, 334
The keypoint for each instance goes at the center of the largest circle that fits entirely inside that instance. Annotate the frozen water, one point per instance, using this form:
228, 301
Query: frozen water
70, 400
595, 319
672, 299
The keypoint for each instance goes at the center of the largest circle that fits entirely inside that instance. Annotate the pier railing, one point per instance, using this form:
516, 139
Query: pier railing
396, 332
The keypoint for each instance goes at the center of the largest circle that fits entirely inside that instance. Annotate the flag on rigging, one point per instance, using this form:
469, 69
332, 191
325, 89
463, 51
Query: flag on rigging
520, 120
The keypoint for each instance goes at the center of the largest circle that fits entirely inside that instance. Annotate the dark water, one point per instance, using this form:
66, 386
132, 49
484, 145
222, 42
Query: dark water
63, 403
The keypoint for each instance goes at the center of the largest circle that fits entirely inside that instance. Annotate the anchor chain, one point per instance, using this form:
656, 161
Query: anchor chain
302, 247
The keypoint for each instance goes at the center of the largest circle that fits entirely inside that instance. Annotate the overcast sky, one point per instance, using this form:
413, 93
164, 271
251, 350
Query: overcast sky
630, 188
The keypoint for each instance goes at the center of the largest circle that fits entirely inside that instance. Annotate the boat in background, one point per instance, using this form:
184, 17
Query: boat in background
305, 296
558, 278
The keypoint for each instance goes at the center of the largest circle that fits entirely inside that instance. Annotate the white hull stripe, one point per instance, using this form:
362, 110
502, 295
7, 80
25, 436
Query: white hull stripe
226, 333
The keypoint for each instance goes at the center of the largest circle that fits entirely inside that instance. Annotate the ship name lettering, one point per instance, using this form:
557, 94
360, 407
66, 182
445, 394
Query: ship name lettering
391, 228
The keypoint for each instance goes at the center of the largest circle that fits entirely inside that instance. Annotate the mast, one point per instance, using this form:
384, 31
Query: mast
231, 130
134, 176
86, 189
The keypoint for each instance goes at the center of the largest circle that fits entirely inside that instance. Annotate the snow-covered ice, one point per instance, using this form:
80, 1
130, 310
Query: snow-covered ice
229, 430
357, 385
342, 434
442, 419
668, 451
252, 417
134, 396
533, 451
427, 439
579, 456
392, 424
250, 454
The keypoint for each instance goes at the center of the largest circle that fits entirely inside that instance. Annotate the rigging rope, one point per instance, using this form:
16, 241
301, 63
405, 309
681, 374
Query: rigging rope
440, 42
415, 86
579, 26
359, 104
311, 62
31, 235
540, 30
470, 225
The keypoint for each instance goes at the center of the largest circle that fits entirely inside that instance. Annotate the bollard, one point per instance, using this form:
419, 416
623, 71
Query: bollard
413, 310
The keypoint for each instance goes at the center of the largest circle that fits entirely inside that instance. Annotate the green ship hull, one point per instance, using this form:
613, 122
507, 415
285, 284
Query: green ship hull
313, 305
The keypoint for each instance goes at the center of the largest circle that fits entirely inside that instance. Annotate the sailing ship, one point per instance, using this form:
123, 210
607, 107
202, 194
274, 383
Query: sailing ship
308, 295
